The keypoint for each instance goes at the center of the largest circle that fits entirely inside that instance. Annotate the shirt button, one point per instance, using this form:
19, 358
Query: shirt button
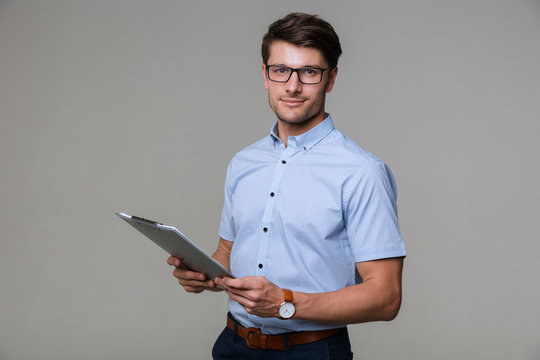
283, 162
272, 194
265, 229
260, 266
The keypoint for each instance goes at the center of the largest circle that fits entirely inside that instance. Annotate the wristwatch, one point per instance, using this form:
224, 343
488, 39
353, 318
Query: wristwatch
286, 309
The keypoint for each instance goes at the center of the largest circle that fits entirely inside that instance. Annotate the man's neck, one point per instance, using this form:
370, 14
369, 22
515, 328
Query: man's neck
287, 129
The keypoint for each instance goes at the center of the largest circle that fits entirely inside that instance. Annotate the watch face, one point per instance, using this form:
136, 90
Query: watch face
286, 310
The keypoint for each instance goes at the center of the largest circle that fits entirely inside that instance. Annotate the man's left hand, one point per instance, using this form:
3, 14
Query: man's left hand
257, 295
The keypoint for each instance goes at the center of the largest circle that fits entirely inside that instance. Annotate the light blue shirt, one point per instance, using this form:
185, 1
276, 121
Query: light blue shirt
303, 215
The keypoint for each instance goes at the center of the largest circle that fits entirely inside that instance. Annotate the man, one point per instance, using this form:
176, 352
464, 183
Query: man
305, 208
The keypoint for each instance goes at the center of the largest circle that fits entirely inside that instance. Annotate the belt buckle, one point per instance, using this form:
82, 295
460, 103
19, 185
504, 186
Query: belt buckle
258, 333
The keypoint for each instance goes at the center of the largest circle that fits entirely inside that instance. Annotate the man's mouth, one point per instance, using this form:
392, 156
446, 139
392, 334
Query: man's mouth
292, 101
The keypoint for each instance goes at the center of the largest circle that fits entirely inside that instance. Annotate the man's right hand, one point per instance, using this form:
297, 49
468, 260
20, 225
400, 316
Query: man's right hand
193, 282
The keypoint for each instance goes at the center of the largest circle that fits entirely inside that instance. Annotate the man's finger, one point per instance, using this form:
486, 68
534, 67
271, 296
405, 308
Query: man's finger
196, 283
173, 261
241, 299
182, 273
240, 284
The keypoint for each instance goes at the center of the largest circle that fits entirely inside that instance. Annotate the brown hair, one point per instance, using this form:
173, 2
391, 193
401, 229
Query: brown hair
304, 30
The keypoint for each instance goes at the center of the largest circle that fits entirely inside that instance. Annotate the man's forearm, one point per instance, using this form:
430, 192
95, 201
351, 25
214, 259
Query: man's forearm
377, 298
354, 304
223, 253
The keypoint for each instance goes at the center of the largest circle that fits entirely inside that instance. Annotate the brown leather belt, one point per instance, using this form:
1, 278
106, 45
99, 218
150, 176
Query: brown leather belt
255, 339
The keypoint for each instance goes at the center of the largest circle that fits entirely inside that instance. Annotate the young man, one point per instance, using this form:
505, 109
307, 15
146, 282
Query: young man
305, 208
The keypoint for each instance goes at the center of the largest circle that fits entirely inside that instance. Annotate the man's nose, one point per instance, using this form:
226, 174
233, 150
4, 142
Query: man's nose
294, 84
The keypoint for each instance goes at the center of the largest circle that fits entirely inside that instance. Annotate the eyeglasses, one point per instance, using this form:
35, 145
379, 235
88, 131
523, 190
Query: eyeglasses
306, 75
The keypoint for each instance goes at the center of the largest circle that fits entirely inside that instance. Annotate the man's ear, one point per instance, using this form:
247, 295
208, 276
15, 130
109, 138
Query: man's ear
264, 76
331, 80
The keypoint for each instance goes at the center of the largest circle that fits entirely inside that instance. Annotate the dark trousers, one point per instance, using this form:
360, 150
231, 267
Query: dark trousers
231, 346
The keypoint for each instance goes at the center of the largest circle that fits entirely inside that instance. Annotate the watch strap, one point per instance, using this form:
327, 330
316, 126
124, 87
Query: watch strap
287, 295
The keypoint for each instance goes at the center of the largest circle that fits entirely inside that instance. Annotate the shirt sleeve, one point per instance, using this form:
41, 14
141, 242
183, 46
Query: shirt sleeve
370, 214
226, 226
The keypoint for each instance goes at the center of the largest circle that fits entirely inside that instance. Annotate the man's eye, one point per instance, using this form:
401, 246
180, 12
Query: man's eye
309, 71
279, 70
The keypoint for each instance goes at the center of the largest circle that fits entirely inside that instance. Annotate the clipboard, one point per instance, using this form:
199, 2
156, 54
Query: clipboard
178, 245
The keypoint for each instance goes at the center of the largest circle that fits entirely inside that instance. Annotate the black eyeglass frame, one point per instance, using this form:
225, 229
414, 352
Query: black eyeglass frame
293, 70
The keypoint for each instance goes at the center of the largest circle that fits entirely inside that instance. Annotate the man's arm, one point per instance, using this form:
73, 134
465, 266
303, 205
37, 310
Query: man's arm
377, 298
196, 282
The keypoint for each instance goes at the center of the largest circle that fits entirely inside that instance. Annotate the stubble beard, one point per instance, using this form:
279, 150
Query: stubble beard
293, 118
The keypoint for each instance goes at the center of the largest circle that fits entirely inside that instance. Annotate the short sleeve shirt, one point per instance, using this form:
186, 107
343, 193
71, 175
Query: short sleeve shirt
303, 215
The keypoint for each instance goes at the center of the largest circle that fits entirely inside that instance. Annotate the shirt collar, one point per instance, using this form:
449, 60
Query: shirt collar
310, 138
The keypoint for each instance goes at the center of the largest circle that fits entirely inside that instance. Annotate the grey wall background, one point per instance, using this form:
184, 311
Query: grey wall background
138, 106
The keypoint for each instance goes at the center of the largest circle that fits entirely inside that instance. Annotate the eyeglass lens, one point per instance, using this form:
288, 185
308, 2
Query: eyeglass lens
307, 75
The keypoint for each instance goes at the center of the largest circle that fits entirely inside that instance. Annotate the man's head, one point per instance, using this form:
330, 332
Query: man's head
306, 31
300, 54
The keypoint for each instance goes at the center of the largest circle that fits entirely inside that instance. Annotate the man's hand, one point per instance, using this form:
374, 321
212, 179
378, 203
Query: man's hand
192, 281
256, 294
195, 282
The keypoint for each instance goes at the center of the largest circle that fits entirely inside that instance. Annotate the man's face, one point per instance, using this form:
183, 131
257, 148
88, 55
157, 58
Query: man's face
294, 102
